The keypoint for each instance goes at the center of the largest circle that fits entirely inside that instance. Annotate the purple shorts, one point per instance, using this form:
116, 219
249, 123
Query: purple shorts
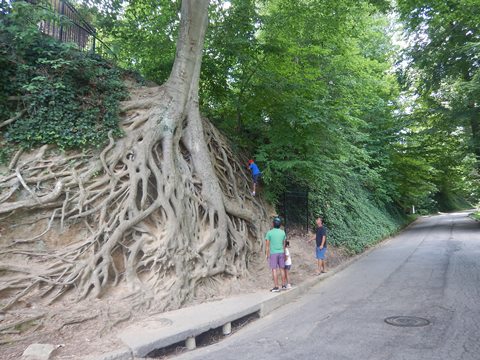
277, 261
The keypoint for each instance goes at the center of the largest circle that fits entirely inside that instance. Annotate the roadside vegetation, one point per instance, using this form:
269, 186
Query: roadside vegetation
51, 92
476, 215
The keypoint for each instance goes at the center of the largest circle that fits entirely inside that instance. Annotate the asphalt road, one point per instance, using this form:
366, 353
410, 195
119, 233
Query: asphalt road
431, 271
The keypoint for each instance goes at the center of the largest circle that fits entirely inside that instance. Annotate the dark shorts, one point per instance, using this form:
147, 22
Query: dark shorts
320, 254
256, 177
277, 261
288, 267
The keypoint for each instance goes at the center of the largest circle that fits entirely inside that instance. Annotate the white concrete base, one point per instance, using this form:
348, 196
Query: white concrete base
190, 343
227, 328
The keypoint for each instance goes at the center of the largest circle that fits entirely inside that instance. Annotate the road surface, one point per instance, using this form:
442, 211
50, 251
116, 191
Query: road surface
430, 271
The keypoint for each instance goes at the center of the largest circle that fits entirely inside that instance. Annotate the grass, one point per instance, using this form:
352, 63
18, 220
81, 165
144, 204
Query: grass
476, 215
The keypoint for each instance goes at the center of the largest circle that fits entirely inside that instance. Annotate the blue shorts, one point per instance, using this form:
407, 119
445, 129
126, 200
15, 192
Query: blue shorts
256, 177
288, 267
320, 254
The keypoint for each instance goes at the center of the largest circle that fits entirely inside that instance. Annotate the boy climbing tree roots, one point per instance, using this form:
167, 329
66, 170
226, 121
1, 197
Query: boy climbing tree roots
256, 174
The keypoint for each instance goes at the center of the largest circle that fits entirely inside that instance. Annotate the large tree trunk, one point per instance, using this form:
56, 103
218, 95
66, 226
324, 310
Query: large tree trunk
170, 208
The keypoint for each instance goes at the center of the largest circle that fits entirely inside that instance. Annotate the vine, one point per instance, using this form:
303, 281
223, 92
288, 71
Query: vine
53, 94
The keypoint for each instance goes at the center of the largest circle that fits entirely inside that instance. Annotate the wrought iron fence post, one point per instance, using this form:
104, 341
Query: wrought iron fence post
294, 207
62, 12
77, 29
306, 213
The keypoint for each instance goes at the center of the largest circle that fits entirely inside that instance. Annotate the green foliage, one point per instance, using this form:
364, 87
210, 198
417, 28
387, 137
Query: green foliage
307, 88
6, 152
71, 98
443, 61
142, 34
476, 215
354, 220
304, 86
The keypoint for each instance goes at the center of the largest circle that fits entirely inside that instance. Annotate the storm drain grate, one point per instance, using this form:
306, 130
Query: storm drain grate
407, 321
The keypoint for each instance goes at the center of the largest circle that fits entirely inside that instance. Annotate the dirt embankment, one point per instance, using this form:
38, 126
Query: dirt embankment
89, 326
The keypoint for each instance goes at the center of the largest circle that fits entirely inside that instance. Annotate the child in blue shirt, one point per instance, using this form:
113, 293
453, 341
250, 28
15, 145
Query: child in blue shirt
256, 173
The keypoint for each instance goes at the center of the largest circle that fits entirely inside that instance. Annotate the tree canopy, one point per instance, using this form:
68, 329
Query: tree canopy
320, 96
441, 71
317, 92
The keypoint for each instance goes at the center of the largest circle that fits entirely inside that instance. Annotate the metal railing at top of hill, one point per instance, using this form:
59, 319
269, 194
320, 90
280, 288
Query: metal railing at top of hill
75, 30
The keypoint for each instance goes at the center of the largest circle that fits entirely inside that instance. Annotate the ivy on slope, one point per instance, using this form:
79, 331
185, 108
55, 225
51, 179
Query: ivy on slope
355, 220
68, 98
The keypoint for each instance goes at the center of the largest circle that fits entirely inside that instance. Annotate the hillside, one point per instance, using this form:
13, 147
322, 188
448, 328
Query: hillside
89, 327
42, 240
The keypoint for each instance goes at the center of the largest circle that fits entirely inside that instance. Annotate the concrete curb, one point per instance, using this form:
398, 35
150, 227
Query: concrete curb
185, 324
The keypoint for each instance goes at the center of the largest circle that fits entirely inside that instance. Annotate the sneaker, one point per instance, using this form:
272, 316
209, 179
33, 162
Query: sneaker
284, 287
253, 193
275, 289
289, 286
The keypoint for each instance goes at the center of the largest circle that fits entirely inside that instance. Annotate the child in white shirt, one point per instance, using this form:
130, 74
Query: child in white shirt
288, 263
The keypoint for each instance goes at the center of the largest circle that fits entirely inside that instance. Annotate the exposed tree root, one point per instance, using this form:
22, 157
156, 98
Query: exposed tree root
153, 203
19, 323
13, 119
77, 320
166, 206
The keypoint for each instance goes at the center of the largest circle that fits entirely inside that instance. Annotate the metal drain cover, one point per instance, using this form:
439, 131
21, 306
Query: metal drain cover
407, 321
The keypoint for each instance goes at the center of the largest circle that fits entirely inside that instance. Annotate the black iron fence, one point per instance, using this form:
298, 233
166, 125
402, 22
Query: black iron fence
294, 209
71, 27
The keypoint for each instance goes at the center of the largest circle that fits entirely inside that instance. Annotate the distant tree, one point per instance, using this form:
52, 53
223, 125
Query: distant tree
443, 57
